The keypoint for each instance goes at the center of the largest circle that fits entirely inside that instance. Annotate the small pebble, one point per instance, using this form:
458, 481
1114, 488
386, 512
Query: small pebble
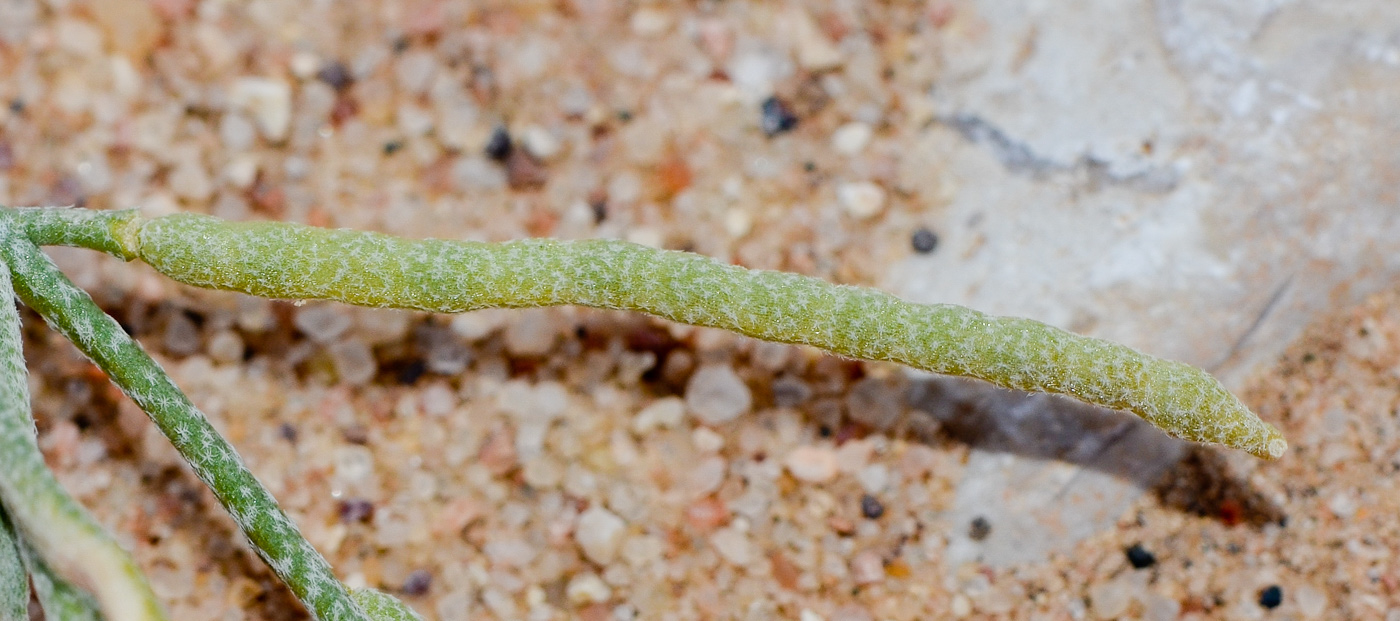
813, 464
961, 606
181, 335
532, 333
716, 395
336, 75
288, 432
499, 147
979, 529
356, 434
539, 142
1139, 557
237, 132
707, 514
790, 392
1110, 600
268, 101
851, 138
1312, 602
706, 476
777, 117
706, 440
510, 552
321, 323
924, 241
304, 64
870, 507
418, 583
861, 199
874, 478
650, 21
867, 568
354, 510
664, 413
1271, 597
354, 362
354, 465
478, 174
874, 403
599, 533
414, 71
733, 544
587, 588
524, 171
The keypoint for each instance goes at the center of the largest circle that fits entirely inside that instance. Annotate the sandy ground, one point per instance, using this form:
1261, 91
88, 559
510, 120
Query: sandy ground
567, 463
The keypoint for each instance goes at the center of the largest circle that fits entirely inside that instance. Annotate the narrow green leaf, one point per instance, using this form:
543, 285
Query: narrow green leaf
14, 579
60, 600
51, 521
384, 607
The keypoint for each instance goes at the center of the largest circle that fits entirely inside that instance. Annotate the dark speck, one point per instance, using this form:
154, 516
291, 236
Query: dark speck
624, 115
336, 75
499, 147
392, 147
1139, 557
418, 583
288, 432
870, 507
401, 45
411, 371
599, 206
777, 117
1271, 597
979, 529
355, 510
17, 106
356, 434
924, 241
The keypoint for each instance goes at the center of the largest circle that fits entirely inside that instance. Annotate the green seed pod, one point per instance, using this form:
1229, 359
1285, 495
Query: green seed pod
289, 261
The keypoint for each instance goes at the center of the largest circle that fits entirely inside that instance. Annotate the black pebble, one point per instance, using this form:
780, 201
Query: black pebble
979, 529
288, 432
498, 147
1271, 597
870, 507
418, 582
924, 241
777, 118
336, 75
1139, 557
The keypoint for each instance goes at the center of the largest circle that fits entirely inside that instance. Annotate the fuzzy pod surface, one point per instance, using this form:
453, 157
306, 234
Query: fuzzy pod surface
290, 261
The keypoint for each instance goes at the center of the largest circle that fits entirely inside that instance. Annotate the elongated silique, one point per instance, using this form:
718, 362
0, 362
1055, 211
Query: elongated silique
280, 260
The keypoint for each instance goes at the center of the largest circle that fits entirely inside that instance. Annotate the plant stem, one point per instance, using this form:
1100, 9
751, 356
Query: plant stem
50, 520
14, 580
59, 598
275, 538
85, 228
280, 260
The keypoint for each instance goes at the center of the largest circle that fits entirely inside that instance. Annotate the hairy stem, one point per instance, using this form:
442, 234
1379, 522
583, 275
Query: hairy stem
276, 539
50, 520
14, 579
290, 261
